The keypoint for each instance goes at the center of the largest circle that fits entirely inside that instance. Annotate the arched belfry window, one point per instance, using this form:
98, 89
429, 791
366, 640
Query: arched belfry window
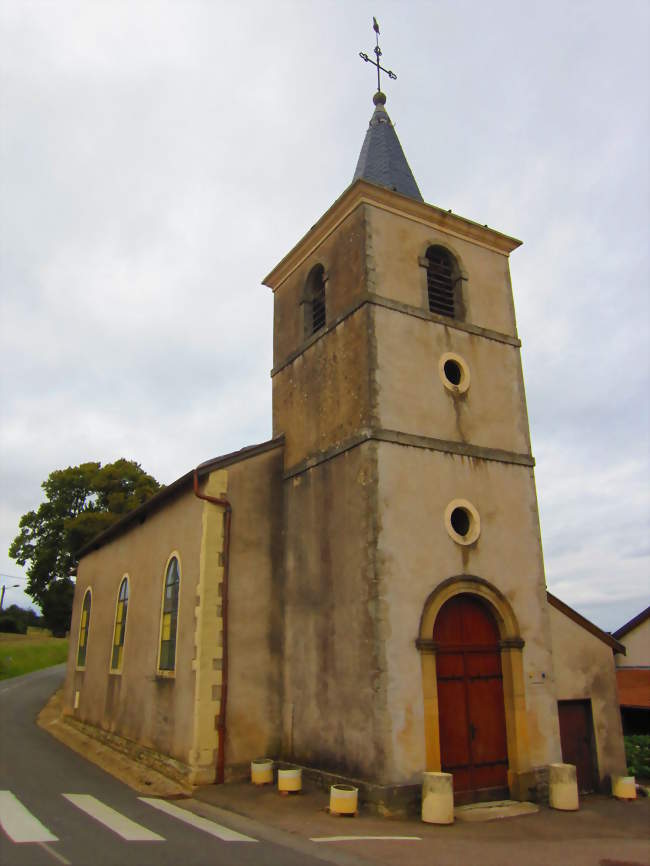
443, 282
314, 300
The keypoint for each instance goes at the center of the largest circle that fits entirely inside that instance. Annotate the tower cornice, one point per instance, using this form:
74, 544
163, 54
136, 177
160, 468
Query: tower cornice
361, 192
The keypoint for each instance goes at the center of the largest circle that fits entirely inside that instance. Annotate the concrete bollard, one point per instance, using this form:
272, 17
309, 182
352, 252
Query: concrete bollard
563, 787
289, 780
262, 771
438, 798
624, 787
343, 800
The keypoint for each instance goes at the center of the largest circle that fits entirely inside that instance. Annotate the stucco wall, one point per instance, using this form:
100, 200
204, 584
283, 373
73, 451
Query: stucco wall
584, 669
255, 611
342, 254
334, 698
379, 368
416, 554
176, 715
411, 395
395, 244
137, 704
637, 647
322, 397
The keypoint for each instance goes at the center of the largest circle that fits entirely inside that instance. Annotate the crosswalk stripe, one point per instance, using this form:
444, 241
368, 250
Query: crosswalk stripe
19, 824
211, 827
57, 856
365, 838
115, 821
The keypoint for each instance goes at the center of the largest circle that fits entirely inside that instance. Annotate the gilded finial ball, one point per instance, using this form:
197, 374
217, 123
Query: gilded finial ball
379, 98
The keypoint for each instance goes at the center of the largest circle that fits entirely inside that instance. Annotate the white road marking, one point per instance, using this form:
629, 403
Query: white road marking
115, 821
19, 824
364, 838
8, 689
54, 854
211, 827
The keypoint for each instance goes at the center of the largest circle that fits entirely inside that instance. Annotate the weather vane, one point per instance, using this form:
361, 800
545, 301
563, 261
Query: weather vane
377, 51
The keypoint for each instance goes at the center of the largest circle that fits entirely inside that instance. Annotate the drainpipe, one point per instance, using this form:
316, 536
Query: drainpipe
221, 723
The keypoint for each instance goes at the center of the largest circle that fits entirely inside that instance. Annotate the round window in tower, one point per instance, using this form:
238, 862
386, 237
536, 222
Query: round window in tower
462, 521
454, 373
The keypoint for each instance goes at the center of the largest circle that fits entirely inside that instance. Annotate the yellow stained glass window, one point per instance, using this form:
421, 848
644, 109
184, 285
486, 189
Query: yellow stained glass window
169, 617
120, 625
83, 630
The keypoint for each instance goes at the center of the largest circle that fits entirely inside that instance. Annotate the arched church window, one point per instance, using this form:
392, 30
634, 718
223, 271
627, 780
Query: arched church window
84, 626
120, 625
169, 617
314, 300
443, 281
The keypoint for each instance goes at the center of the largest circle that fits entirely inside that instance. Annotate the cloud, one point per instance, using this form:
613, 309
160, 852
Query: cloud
157, 159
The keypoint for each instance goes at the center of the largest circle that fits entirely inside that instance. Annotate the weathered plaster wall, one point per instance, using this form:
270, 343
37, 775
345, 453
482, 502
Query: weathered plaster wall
411, 395
322, 398
176, 714
584, 669
396, 243
637, 647
378, 371
416, 554
335, 698
342, 254
138, 704
256, 626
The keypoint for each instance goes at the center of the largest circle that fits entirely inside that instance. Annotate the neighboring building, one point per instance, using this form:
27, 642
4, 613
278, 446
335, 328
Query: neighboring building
633, 674
364, 593
585, 684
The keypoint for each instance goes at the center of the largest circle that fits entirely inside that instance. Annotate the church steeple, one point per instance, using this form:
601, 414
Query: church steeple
382, 159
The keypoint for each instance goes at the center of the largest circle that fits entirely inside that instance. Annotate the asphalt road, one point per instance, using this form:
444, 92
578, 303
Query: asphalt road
56, 808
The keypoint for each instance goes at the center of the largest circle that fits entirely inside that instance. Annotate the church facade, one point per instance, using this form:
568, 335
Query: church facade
363, 594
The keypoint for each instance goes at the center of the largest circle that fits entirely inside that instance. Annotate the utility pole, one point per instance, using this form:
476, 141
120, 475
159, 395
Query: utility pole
2, 596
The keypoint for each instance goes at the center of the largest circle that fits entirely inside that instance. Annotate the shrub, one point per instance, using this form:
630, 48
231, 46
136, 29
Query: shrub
10, 625
637, 755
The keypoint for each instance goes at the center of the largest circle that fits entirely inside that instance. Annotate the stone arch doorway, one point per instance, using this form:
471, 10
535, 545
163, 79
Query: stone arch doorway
471, 710
500, 629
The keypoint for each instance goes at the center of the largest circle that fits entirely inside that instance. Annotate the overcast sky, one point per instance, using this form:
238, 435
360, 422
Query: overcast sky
157, 159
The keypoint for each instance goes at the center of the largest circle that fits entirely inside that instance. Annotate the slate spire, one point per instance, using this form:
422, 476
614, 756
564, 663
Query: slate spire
382, 159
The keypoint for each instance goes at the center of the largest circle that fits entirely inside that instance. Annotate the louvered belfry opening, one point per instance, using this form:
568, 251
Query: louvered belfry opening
441, 282
318, 308
315, 300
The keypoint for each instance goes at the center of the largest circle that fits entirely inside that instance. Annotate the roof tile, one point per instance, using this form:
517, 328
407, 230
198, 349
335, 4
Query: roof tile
382, 159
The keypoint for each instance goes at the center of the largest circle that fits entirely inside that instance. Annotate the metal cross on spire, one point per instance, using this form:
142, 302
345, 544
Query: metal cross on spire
377, 51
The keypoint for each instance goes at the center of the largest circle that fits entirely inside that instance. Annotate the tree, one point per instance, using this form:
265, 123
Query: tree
17, 619
82, 501
57, 606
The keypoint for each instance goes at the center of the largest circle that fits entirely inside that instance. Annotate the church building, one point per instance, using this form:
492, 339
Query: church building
363, 595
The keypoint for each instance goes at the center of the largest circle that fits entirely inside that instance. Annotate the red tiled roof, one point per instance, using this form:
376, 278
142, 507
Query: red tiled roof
633, 687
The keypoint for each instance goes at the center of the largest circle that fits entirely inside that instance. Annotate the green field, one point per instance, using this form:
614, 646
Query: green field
21, 654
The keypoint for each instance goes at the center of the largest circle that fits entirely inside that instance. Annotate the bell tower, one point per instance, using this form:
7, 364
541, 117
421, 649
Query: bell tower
409, 483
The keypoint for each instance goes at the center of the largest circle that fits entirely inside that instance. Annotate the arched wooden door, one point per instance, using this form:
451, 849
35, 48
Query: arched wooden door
473, 744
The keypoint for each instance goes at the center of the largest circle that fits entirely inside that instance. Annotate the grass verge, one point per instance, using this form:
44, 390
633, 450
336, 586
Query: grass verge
22, 654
